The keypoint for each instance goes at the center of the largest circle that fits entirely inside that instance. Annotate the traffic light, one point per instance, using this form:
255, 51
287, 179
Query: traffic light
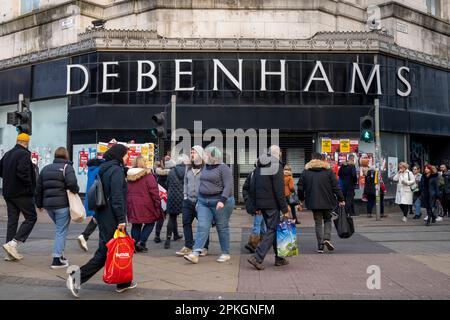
161, 129
21, 119
366, 127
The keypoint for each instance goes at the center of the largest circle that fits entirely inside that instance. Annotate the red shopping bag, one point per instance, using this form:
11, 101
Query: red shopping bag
119, 259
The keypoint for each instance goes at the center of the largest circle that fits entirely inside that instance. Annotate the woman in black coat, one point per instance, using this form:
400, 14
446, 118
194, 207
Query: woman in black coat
113, 216
429, 186
370, 191
51, 194
175, 182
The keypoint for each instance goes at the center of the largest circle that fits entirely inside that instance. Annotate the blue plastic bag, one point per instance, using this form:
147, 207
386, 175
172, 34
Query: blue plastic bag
287, 239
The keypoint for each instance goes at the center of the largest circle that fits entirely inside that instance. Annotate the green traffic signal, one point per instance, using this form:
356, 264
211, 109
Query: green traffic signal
367, 136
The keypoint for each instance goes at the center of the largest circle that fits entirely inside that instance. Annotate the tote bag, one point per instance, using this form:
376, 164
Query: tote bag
77, 210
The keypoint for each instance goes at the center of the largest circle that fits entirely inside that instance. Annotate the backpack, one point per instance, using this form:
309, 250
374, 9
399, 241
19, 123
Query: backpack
96, 194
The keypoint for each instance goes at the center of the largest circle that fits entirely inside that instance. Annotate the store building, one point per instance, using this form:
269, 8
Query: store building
310, 70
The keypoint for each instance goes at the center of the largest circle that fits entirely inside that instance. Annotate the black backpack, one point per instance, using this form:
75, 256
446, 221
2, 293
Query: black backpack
96, 194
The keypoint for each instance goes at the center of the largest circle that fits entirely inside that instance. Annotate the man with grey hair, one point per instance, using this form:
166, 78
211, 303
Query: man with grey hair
268, 191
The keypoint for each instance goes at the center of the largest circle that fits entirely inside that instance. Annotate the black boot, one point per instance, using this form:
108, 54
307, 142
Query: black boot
157, 238
167, 243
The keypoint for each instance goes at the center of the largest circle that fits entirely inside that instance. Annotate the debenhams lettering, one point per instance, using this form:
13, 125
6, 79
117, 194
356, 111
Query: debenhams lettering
318, 74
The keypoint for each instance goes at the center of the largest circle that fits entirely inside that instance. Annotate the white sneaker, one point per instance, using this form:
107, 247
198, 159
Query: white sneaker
12, 251
439, 219
404, 219
204, 252
184, 251
72, 286
224, 258
192, 257
82, 242
426, 218
9, 257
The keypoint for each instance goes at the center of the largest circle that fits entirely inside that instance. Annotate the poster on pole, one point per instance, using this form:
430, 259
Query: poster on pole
326, 145
392, 166
345, 145
335, 144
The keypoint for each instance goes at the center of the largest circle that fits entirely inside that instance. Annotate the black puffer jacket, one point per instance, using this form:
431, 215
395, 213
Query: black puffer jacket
369, 183
248, 190
175, 182
112, 174
269, 184
19, 176
320, 186
347, 173
52, 185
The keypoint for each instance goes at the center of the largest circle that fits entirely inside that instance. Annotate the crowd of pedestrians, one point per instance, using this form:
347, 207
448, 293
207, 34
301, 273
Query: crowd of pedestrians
199, 187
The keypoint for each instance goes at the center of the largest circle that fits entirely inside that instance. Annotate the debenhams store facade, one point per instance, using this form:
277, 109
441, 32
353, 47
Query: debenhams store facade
110, 84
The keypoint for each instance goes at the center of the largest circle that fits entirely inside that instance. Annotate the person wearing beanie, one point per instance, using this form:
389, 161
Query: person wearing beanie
19, 186
215, 202
162, 173
110, 218
190, 195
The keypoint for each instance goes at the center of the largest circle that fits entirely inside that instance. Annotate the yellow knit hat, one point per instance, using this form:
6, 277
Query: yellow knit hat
23, 137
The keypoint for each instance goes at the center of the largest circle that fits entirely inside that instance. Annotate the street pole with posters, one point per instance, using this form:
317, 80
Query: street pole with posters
173, 125
377, 159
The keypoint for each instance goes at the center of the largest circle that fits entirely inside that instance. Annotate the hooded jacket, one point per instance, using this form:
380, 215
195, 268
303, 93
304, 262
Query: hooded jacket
143, 201
320, 186
19, 176
52, 185
191, 183
288, 183
269, 184
112, 174
175, 189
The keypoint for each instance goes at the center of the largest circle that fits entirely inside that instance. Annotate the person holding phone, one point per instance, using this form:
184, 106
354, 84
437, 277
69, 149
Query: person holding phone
406, 183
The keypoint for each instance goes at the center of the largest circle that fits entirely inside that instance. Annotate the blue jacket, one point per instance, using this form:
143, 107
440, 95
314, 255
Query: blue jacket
93, 167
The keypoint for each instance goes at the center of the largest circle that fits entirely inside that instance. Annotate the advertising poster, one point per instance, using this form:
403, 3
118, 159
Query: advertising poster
345, 146
335, 144
392, 166
326, 145
83, 157
354, 146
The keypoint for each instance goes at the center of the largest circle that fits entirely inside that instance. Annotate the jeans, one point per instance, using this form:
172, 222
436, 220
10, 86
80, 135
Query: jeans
140, 232
206, 210
272, 219
14, 207
371, 199
259, 226
323, 232
417, 206
292, 206
189, 214
61, 218
90, 228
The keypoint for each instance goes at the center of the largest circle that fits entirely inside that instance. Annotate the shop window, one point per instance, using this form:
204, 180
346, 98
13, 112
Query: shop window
434, 7
27, 6
296, 159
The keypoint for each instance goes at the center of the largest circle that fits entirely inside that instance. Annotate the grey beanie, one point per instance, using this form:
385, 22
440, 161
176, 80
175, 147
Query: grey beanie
199, 150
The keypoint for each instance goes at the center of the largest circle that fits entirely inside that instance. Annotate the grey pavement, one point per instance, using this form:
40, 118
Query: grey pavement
414, 261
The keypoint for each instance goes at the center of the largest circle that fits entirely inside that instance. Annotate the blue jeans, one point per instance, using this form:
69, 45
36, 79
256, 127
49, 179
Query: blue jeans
417, 206
61, 218
140, 234
206, 211
259, 227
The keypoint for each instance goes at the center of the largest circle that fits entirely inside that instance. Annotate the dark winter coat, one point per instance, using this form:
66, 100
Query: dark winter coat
347, 173
429, 187
248, 194
162, 175
320, 186
53, 183
446, 177
175, 182
369, 183
144, 203
19, 176
112, 174
269, 184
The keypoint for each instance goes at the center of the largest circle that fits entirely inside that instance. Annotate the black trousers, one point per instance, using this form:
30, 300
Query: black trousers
98, 261
172, 226
349, 196
159, 225
14, 208
90, 228
405, 209
272, 219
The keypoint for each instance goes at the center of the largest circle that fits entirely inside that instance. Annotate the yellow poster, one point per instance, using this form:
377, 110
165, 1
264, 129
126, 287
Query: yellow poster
326, 145
345, 145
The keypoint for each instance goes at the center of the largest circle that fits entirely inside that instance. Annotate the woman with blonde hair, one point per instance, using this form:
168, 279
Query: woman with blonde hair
143, 203
405, 186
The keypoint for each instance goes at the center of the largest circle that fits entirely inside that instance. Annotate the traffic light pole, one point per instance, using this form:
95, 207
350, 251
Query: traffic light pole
377, 158
173, 125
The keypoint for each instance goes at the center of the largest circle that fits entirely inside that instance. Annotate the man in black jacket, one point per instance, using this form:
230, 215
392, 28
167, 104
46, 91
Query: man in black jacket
347, 173
320, 190
19, 184
269, 200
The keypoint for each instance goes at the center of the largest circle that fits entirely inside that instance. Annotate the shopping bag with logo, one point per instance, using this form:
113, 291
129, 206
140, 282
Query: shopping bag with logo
119, 259
163, 196
287, 239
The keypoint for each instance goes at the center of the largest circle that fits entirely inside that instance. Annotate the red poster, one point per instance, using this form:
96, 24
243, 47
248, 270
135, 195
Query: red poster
335, 145
82, 163
354, 146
